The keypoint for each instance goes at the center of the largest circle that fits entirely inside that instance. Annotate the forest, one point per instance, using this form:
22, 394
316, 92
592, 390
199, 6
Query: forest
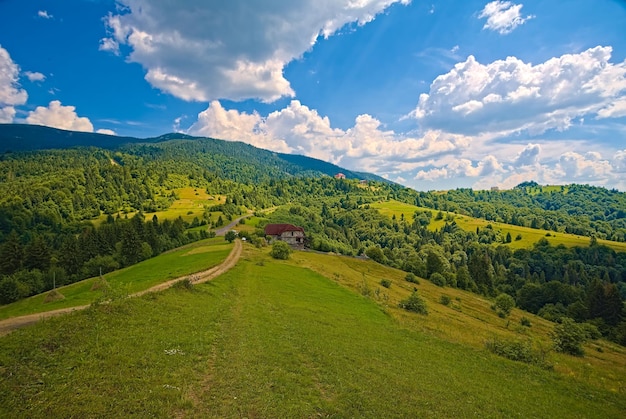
50, 199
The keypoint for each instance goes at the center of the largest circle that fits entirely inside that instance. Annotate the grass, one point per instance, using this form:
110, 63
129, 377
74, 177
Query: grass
192, 258
529, 235
285, 339
191, 203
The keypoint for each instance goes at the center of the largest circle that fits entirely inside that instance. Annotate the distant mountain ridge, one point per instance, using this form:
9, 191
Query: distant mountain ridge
23, 137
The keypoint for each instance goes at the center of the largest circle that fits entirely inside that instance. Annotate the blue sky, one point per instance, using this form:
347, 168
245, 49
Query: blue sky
430, 94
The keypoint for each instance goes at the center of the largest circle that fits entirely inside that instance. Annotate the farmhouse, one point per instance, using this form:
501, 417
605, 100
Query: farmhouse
340, 176
290, 234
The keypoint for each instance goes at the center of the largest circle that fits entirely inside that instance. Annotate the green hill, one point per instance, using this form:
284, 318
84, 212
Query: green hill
297, 339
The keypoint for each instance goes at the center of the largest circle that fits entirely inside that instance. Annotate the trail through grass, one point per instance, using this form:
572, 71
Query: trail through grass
271, 339
189, 259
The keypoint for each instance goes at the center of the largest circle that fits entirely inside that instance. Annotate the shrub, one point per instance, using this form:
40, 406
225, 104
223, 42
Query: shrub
414, 303
568, 337
518, 237
410, 277
525, 321
591, 331
518, 351
280, 250
445, 300
385, 283
503, 305
438, 279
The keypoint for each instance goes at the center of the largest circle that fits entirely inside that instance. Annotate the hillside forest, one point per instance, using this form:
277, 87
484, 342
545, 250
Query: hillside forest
71, 214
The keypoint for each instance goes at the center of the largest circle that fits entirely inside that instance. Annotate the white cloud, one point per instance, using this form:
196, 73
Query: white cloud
503, 16
44, 14
34, 76
11, 94
59, 116
579, 167
510, 96
106, 131
297, 129
619, 161
233, 50
528, 156
109, 44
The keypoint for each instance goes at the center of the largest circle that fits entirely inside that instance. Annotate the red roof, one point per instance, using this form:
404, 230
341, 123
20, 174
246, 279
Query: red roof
278, 229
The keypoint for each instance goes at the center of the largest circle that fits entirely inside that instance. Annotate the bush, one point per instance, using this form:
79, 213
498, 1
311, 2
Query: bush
503, 305
525, 321
385, 283
445, 300
280, 250
410, 277
438, 279
568, 337
414, 303
518, 351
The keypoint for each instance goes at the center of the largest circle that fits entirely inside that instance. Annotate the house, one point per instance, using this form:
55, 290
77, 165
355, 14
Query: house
340, 176
290, 234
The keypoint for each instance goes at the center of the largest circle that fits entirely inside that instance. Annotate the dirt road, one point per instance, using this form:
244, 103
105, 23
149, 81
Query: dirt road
8, 325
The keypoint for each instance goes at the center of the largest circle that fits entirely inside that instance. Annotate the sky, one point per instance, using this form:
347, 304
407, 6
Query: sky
433, 95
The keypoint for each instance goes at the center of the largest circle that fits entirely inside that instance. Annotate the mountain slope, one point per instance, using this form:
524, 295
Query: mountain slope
266, 164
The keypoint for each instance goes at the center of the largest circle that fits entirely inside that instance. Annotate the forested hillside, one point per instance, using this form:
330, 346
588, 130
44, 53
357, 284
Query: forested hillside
50, 201
577, 209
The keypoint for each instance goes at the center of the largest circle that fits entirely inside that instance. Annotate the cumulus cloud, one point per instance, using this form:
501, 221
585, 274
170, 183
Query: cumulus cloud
58, 116
110, 45
579, 167
34, 76
106, 131
510, 96
300, 130
528, 156
11, 94
233, 50
503, 16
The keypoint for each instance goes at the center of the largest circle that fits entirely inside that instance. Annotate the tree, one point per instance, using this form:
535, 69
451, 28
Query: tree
230, 236
568, 337
503, 305
280, 250
11, 254
375, 253
414, 303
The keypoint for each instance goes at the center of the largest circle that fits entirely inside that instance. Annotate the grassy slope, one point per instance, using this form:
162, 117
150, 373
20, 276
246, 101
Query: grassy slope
529, 235
190, 204
277, 339
184, 261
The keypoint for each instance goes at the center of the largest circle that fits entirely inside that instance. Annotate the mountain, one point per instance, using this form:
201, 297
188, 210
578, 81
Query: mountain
21, 137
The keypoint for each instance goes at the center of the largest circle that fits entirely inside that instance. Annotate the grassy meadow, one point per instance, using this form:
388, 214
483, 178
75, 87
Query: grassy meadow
314, 336
529, 235
190, 203
186, 260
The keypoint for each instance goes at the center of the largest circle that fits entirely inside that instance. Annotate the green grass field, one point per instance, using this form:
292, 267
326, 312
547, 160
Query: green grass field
191, 203
294, 339
192, 258
530, 236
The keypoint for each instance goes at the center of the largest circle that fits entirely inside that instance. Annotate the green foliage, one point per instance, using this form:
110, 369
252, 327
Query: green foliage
445, 300
280, 250
414, 303
385, 283
375, 253
518, 350
410, 277
525, 321
568, 337
438, 279
503, 305
230, 236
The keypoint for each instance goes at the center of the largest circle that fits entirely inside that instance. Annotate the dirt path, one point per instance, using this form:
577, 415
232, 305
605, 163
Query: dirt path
8, 325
